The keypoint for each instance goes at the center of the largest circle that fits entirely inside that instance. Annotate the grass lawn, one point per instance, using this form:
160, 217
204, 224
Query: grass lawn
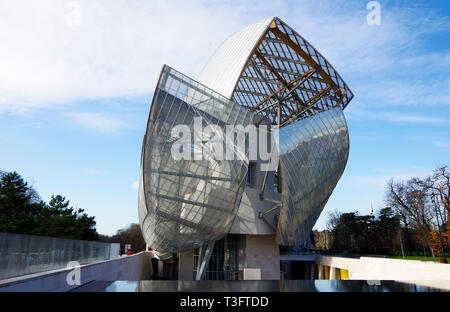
418, 258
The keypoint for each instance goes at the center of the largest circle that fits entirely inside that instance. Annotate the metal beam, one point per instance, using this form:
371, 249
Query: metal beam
289, 72
312, 100
269, 86
256, 93
342, 97
262, 213
288, 41
263, 186
266, 107
286, 85
305, 77
284, 59
279, 77
275, 82
187, 175
205, 253
302, 88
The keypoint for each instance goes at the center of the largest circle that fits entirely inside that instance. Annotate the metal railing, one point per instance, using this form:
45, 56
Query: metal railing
26, 254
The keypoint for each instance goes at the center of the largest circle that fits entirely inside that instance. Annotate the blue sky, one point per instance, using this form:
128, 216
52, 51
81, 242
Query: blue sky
77, 77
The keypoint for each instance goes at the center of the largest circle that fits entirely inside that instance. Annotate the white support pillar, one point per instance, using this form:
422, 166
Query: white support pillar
320, 272
332, 273
203, 260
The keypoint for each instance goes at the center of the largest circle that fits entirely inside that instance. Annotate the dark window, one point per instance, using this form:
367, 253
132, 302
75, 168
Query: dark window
251, 175
224, 261
277, 182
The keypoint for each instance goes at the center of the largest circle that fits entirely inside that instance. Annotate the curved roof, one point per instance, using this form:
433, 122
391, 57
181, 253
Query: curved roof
225, 66
267, 63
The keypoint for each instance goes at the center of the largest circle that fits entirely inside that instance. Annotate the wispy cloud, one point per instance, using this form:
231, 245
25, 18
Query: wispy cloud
378, 115
409, 90
98, 122
92, 171
412, 119
442, 144
118, 48
380, 177
32, 124
135, 185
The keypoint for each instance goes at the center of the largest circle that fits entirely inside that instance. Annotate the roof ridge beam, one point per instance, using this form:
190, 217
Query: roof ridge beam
312, 100
288, 41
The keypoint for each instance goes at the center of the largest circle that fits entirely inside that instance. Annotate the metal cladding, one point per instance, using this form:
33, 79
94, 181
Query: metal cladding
186, 203
266, 70
313, 154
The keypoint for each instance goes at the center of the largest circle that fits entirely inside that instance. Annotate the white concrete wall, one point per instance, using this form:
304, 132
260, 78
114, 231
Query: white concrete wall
134, 267
371, 268
248, 221
186, 265
252, 274
262, 253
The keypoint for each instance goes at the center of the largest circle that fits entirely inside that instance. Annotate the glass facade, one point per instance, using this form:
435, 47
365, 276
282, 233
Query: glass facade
26, 254
313, 155
184, 204
269, 73
225, 263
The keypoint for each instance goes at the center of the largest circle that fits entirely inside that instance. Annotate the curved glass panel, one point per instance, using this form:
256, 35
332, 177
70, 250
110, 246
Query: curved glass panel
285, 68
265, 70
186, 203
313, 155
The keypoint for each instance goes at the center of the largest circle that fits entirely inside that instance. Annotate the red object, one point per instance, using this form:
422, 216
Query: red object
129, 252
149, 248
443, 260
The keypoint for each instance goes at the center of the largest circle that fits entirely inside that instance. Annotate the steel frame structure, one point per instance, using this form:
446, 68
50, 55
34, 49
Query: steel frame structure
267, 70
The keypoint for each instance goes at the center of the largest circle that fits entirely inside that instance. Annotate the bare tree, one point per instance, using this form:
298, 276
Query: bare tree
34, 196
333, 220
440, 187
411, 201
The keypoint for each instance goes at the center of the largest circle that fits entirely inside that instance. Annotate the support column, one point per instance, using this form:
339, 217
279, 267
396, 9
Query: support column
313, 266
332, 273
185, 265
320, 272
338, 274
203, 260
307, 269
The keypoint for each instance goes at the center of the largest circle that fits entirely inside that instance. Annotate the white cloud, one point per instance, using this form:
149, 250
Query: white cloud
405, 118
442, 144
380, 177
119, 47
135, 185
411, 90
98, 122
92, 171
395, 117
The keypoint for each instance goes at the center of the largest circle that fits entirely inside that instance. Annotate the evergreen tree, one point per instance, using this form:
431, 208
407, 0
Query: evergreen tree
17, 209
22, 211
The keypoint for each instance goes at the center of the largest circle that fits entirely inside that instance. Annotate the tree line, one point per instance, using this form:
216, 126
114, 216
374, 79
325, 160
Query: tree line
130, 234
22, 211
415, 211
